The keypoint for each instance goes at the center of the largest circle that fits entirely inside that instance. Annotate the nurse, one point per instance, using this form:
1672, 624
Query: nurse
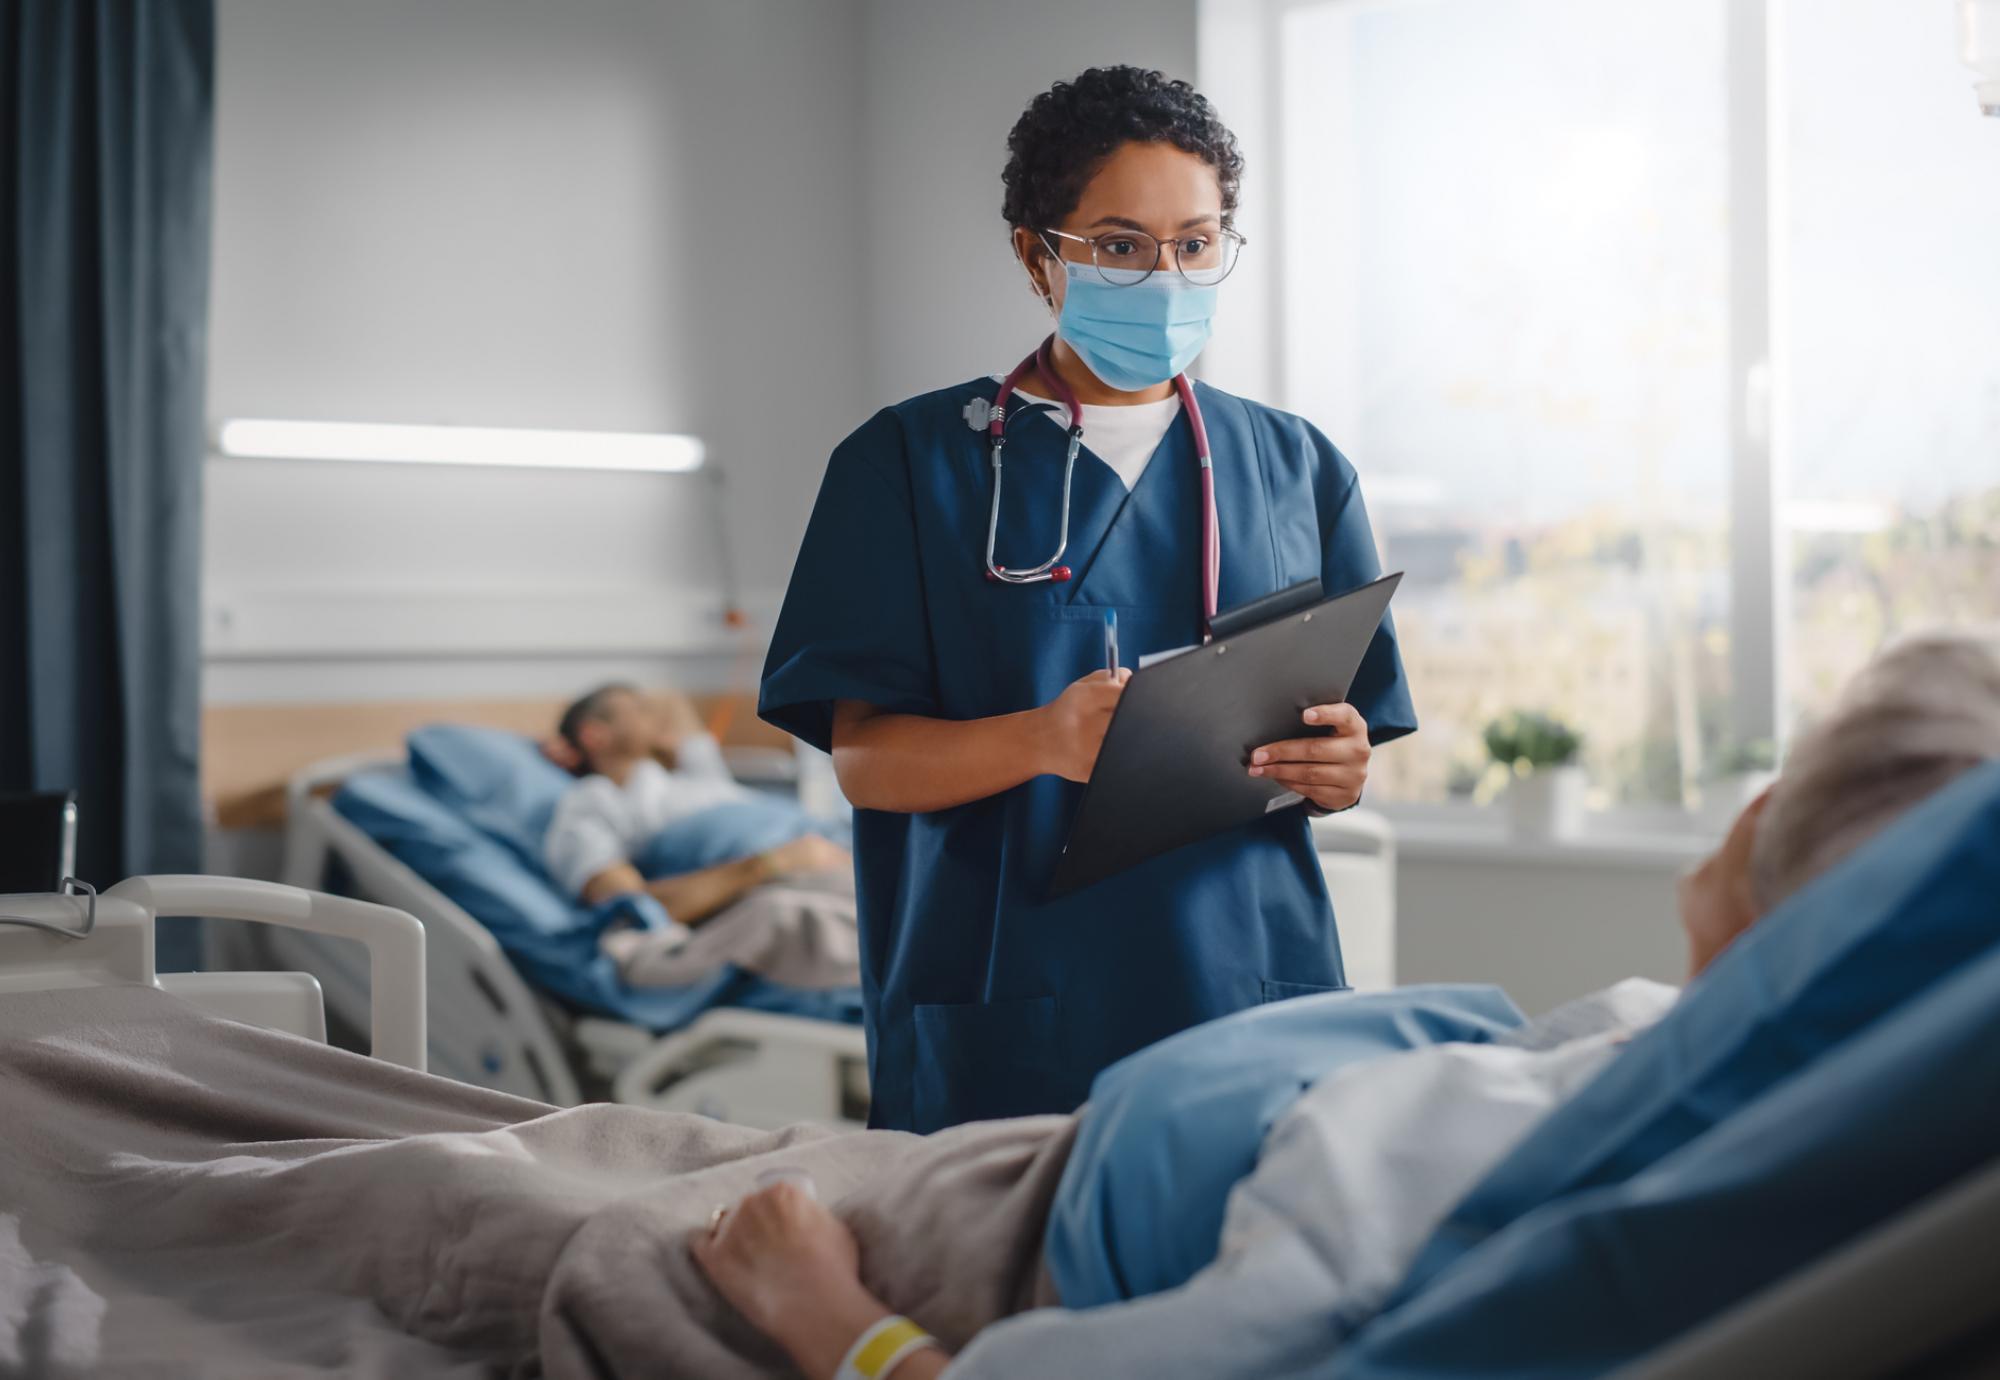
965, 711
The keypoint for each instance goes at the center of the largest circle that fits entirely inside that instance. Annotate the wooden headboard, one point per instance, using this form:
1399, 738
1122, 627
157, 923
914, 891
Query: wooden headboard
249, 751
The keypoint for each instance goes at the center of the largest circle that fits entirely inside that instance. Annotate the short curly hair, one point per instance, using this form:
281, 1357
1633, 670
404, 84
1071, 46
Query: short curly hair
1067, 132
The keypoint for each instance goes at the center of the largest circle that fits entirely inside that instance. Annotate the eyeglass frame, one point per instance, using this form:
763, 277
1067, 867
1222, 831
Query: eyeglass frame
1225, 231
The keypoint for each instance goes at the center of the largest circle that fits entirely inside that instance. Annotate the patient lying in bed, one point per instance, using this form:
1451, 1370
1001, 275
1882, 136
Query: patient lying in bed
1362, 1168
748, 877
182, 1195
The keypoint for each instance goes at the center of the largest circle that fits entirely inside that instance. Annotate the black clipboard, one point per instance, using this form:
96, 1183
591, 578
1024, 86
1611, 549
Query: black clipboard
1174, 765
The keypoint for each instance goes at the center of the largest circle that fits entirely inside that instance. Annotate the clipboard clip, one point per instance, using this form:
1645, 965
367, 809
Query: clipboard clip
1266, 609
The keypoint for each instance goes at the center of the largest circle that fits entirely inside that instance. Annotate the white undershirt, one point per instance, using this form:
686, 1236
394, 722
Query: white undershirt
1122, 437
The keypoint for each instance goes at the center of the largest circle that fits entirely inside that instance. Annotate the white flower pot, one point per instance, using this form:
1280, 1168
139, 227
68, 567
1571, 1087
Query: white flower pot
1725, 798
1546, 804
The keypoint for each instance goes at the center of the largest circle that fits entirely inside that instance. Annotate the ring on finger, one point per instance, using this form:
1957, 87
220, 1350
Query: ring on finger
715, 1218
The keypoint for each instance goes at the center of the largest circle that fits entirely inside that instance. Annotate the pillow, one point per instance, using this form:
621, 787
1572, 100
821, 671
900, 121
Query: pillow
499, 781
1169, 1131
477, 871
1897, 918
1589, 1282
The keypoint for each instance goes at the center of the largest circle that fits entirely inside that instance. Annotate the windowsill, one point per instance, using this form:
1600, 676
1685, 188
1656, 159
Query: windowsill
1468, 834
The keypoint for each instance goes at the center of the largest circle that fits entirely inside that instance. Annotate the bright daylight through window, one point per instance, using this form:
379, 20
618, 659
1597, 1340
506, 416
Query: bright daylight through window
1519, 326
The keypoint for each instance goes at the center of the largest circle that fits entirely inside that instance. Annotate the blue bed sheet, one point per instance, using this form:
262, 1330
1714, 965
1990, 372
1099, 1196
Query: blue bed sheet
552, 942
1833, 1067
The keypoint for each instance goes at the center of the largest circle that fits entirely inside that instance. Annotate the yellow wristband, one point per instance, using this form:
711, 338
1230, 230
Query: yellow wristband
880, 1349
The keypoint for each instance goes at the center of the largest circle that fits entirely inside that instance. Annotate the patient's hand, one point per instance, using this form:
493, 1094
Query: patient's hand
809, 853
1330, 771
793, 1270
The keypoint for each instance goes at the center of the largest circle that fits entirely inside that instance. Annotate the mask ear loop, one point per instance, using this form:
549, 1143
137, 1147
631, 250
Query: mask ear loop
1046, 294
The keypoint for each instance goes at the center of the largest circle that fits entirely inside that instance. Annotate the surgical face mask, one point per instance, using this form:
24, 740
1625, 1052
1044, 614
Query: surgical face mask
1137, 336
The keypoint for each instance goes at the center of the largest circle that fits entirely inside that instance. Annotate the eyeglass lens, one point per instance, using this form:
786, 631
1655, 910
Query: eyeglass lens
1130, 256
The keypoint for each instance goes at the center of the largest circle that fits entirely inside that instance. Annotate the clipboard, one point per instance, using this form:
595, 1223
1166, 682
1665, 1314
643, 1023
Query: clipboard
1174, 767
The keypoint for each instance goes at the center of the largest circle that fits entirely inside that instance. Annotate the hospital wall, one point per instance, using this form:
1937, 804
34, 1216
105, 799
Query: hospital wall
607, 214
1547, 922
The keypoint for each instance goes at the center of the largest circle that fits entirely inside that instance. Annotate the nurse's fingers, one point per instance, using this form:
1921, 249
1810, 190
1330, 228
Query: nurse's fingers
1342, 718
1341, 749
1298, 775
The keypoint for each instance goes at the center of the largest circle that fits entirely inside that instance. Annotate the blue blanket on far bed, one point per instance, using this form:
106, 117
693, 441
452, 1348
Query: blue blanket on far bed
553, 943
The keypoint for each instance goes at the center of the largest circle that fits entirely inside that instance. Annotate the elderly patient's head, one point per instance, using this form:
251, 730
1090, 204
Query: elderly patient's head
1918, 715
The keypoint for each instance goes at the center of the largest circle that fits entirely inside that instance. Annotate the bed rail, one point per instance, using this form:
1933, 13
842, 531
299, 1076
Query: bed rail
393, 938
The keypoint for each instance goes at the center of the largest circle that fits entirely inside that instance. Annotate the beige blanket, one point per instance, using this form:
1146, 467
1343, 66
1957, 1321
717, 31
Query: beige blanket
181, 1195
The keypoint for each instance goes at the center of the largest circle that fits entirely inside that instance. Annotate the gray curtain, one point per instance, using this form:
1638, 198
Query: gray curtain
105, 134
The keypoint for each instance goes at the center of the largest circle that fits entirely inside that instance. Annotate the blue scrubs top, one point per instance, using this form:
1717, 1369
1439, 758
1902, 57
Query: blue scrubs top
983, 1000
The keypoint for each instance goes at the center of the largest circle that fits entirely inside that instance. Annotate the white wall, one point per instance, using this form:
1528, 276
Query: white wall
1547, 925
606, 214
943, 84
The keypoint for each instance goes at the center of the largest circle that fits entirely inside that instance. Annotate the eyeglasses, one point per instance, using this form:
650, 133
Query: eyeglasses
1123, 258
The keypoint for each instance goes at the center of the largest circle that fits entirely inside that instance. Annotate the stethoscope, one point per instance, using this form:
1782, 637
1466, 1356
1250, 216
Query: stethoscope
1043, 359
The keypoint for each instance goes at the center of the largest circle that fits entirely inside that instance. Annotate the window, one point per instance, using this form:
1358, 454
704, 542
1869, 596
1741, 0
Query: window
1890, 322
1562, 277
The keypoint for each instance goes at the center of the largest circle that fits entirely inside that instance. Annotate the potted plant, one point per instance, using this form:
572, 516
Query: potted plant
1740, 771
1545, 785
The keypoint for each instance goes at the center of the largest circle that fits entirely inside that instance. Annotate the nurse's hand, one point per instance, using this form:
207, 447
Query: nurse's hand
1074, 723
1329, 771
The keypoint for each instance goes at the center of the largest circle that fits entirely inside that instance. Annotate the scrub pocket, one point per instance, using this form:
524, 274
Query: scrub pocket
980, 1061
1285, 991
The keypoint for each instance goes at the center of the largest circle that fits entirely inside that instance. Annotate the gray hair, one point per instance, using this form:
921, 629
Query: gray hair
1921, 713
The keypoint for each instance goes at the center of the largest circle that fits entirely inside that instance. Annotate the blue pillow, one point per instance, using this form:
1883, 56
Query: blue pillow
724, 833
466, 864
1585, 1284
1169, 1131
499, 781
1876, 934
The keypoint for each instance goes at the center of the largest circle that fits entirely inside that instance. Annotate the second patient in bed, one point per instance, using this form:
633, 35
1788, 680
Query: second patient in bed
747, 877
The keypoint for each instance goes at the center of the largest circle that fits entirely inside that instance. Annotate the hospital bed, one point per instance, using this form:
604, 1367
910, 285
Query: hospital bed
760, 1068
1911, 1296
490, 1028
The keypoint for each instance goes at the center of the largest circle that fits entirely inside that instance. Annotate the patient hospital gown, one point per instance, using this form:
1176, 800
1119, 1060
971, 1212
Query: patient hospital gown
600, 823
1349, 1185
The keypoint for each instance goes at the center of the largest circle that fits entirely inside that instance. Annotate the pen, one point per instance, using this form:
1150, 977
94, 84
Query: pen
1111, 643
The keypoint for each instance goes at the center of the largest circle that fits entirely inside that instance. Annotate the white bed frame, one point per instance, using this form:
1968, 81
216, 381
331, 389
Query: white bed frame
54, 940
488, 1027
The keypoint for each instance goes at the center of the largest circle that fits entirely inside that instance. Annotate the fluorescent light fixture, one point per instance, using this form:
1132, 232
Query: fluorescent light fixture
461, 445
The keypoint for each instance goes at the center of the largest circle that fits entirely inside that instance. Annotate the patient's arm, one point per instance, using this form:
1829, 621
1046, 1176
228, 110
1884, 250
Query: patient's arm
793, 1270
693, 897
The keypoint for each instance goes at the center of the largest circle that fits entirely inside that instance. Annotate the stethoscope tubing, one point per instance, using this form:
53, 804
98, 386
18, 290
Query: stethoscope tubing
1043, 360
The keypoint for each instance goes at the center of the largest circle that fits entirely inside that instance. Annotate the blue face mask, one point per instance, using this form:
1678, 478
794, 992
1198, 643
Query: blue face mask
1137, 336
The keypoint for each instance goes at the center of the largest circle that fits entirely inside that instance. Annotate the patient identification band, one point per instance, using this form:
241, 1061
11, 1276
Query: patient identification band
877, 1352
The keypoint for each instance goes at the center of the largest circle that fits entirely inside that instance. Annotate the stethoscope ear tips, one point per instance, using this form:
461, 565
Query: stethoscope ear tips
978, 413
